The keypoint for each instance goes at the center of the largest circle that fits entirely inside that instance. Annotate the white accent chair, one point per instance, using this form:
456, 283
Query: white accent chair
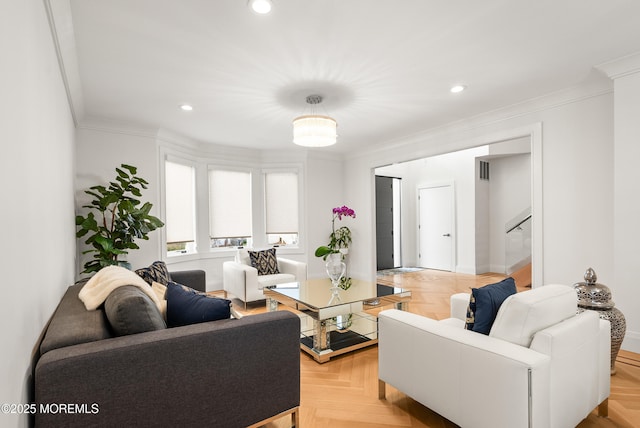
242, 280
541, 365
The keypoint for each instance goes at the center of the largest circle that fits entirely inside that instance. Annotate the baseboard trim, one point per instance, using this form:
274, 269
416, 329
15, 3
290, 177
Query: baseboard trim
631, 342
466, 269
498, 269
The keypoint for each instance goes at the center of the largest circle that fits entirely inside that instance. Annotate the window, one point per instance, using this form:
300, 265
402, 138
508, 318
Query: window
180, 201
281, 207
229, 208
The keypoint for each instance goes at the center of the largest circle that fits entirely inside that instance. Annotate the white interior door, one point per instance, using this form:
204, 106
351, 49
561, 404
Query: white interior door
436, 227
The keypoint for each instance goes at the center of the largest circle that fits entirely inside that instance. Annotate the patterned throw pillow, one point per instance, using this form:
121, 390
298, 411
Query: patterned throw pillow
265, 261
157, 272
471, 313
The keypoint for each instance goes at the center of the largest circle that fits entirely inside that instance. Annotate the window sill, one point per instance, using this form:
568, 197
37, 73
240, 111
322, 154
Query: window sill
224, 253
179, 258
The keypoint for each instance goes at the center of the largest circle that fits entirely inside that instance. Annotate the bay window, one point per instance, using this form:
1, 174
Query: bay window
180, 208
230, 217
210, 208
281, 207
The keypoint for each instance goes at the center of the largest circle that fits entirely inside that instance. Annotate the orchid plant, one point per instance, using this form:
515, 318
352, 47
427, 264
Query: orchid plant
339, 240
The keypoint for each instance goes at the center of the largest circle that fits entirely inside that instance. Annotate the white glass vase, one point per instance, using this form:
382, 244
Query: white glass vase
336, 270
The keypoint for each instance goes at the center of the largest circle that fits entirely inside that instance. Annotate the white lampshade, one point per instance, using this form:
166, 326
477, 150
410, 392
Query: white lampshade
314, 131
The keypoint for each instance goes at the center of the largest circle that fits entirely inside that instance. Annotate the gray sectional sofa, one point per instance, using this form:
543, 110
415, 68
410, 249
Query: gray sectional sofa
227, 373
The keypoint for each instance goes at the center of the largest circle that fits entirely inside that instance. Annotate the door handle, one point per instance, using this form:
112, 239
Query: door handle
447, 234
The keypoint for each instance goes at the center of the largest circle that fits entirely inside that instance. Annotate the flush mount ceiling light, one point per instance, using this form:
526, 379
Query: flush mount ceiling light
457, 88
186, 107
260, 6
314, 130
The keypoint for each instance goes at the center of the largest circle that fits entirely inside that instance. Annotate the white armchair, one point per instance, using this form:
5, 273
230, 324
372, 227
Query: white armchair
541, 365
242, 280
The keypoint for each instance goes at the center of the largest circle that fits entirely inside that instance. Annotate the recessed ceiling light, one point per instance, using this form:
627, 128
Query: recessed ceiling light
186, 107
260, 6
457, 88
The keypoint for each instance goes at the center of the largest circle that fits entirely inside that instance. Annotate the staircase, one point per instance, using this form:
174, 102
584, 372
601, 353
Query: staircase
518, 248
522, 277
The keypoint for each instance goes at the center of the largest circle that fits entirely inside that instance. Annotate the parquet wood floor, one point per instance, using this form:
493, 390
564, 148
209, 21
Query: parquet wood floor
343, 391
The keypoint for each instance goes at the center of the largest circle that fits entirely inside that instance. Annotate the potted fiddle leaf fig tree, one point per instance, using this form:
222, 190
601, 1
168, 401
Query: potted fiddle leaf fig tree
116, 219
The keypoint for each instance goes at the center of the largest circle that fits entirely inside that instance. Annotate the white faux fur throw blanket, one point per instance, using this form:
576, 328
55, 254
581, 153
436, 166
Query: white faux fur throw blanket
107, 279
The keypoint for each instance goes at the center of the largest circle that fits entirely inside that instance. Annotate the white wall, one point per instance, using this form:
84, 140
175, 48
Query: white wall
509, 195
483, 215
624, 284
577, 183
577, 175
37, 172
325, 191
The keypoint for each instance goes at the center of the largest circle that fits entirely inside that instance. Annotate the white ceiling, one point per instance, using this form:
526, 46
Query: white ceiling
384, 66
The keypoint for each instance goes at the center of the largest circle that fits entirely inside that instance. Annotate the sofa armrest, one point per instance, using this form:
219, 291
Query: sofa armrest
459, 304
605, 358
197, 375
585, 380
195, 279
293, 267
445, 367
240, 280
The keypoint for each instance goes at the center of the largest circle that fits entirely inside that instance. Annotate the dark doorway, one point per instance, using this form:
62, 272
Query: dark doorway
388, 222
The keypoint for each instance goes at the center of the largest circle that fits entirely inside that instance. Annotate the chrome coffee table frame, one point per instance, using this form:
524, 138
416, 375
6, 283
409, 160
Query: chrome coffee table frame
331, 329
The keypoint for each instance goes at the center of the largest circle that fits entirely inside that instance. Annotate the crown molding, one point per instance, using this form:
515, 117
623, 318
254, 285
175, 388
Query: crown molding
93, 123
283, 156
62, 32
621, 67
169, 139
180, 143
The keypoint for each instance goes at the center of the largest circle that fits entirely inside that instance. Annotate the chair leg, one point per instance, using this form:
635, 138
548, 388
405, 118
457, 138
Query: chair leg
382, 390
603, 408
295, 418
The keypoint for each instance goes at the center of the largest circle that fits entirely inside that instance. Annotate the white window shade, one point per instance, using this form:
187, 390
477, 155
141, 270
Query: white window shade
180, 202
229, 204
281, 202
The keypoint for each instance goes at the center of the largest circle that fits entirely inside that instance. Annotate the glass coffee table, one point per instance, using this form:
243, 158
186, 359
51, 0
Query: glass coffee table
329, 327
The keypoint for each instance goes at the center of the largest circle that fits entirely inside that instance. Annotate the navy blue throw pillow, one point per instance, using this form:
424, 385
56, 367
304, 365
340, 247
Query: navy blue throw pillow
187, 306
487, 301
